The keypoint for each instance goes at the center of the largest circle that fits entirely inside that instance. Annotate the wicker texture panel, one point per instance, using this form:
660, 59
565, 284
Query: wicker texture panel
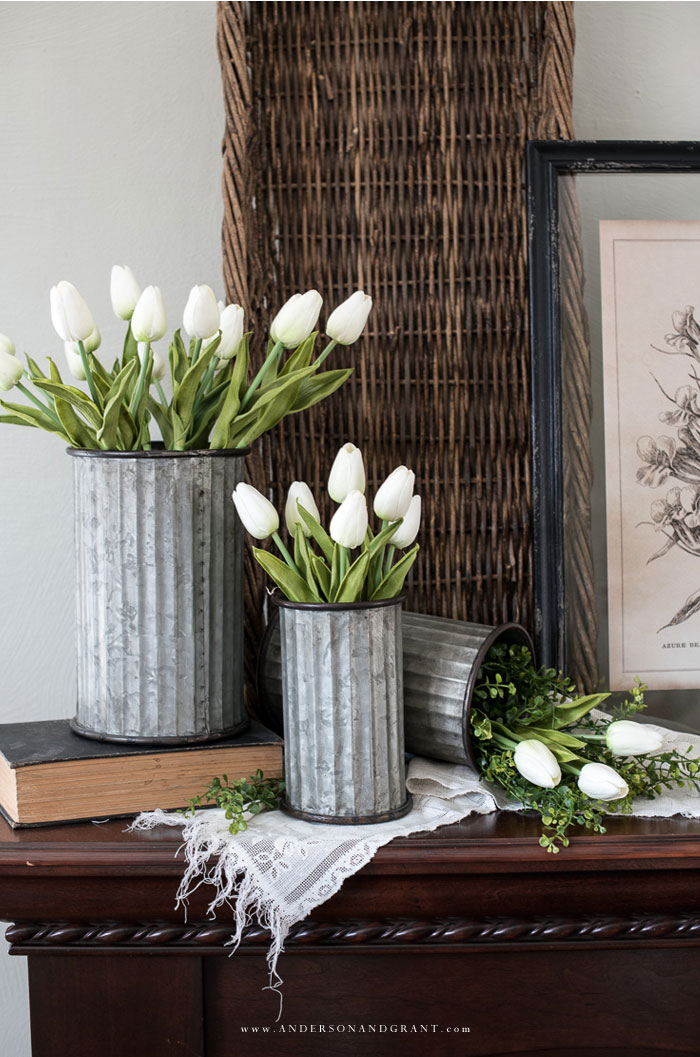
382, 145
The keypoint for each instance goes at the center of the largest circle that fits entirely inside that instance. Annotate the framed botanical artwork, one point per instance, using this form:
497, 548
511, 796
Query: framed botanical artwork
614, 241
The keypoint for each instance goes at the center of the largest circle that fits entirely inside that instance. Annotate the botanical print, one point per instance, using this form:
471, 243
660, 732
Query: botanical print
650, 279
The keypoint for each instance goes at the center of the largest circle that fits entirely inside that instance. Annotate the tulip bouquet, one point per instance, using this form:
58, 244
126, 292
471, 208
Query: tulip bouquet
549, 750
353, 564
211, 403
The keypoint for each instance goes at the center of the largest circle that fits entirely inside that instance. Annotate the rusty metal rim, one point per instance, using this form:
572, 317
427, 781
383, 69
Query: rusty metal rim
516, 635
349, 820
128, 739
159, 453
320, 607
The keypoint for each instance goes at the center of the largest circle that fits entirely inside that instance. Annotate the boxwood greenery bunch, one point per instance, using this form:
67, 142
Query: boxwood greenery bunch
211, 402
547, 748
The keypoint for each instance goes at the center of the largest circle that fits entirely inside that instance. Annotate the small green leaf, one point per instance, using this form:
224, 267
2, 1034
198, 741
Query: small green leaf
301, 357
107, 434
322, 574
25, 415
177, 357
391, 585
290, 583
73, 396
221, 433
571, 711
318, 532
350, 589
316, 389
185, 392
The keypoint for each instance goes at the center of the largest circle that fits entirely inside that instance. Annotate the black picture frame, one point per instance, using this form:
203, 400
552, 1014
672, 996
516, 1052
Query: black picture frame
547, 161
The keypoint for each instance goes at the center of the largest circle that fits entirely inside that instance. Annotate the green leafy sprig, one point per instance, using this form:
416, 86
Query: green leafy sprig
239, 797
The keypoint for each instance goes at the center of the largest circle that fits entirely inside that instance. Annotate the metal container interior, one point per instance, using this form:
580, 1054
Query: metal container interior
159, 564
441, 660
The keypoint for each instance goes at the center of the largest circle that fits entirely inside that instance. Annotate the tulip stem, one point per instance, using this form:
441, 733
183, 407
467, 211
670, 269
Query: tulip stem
40, 404
271, 358
285, 553
206, 382
344, 559
326, 352
390, 552
88, 375
146, 361
161, 394
197, 349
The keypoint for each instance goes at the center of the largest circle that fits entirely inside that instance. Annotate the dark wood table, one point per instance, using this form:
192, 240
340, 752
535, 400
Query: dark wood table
593, 951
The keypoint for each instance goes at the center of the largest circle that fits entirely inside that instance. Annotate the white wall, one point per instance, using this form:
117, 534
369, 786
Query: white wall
111, 119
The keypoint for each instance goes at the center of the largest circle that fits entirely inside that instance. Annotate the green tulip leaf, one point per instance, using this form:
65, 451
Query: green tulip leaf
316, 389
130, 350
322, 575
75, 397
222, 429
185, 392
350, 588
305, 565
318, 532
551, 737
383, 537
290, 583
572, 711
301, 357
161, 416
107, 435
393, 582
24, 415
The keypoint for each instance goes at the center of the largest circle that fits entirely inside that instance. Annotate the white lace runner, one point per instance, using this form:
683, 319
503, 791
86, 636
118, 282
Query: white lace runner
281, 868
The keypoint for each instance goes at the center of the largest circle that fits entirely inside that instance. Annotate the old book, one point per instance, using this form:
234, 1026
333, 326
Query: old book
49, 774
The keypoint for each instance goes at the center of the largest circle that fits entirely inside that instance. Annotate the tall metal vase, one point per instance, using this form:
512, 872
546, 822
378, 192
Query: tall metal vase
342, 690
159, 558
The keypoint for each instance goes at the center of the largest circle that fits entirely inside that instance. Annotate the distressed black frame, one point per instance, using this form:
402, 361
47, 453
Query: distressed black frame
546, 162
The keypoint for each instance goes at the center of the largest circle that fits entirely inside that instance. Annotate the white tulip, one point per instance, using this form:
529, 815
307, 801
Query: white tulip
394, 496
148, 323
296, 319
347, 473
11, 370
124, 291
202, 317
601, 782
7, 345
93, 342
231, 327
347, 321
537, 763
71, 317
159, 368
256, 512
349, 523
626, 738
408, 529
301, 491
74, 360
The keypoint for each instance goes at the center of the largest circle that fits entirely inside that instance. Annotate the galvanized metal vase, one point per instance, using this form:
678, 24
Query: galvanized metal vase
342, 691
159, 596
441, 660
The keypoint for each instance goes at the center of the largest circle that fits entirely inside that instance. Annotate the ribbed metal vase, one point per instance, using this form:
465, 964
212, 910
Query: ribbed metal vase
159, 553
341, 685
441, 660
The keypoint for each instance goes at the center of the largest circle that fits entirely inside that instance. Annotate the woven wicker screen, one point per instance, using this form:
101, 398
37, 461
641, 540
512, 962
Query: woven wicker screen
381, 145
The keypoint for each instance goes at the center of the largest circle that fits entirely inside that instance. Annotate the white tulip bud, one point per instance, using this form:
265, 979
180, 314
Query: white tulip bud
394, 496
296, 319
299, 490
74, 360
231, 327
202, 317
347, 473
71, 317
601, 782
349, 523
93, 343
148, 322
7, 345
256, 512
537, 763
347, 321
408, 529
11, 370
626, 738
159, 368
124, 291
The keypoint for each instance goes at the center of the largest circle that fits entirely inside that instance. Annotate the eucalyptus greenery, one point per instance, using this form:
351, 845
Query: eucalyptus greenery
212, 402
514, 702
239, 797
